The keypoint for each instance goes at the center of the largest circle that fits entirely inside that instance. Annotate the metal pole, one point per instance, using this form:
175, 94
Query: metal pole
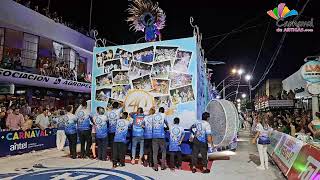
90, 16
48, 5
249, 91
224, 90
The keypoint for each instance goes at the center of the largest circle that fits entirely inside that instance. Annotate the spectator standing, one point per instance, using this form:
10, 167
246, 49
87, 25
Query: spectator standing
3, 116
176, 137
314, 127
137, 134
15, 119
101, 122
84, 127
202, 136
262, 138
158, 141
28, 122
25, 109
71, 131
42, 120
60, 122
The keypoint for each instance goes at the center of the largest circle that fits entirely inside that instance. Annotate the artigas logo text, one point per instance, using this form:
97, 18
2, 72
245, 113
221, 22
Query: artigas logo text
281, 12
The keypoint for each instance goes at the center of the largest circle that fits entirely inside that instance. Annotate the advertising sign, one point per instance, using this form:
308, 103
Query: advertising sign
19, 142
275, 138
286, 152
29, 79
310, 71
155, 74
307, 164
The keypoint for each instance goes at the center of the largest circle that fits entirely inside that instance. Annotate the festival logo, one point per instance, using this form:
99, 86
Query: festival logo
282, 12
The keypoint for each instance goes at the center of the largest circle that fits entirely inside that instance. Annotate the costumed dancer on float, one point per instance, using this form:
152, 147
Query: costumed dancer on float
147, 17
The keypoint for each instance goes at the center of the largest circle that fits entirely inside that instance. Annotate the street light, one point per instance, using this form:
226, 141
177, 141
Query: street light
240, 71
248, 78
243, 95
233, 71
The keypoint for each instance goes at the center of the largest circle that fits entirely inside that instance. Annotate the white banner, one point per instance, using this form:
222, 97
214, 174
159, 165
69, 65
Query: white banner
29, 79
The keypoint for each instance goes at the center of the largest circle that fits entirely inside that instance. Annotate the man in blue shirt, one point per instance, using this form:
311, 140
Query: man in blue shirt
84, 128
176, 137
158, 141
137, 134
113, 117
120, 140
148, 120
71, 130
201, 133
101, 122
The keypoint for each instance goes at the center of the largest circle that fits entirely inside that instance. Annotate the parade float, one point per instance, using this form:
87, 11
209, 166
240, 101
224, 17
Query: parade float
170, 74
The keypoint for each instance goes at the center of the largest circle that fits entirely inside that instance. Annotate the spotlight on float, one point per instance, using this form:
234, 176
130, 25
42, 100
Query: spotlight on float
238, 100
243, 95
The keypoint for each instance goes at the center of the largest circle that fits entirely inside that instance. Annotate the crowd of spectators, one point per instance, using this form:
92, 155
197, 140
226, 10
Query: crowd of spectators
55, 16
21, 116
292, 122
58, 70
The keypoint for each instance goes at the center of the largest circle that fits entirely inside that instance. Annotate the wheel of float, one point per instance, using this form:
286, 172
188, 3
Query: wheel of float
223, 120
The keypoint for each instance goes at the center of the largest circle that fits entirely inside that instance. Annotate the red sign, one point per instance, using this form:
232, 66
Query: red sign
307, 164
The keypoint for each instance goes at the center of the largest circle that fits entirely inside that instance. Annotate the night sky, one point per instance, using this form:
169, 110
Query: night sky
214, 18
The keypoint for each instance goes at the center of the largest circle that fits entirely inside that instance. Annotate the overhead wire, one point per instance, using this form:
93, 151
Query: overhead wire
274, 57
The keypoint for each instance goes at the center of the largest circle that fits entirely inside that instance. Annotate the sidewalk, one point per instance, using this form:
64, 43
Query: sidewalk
241, 166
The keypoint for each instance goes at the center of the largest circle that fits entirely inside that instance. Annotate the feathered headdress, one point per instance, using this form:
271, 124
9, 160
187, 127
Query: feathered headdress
143, 13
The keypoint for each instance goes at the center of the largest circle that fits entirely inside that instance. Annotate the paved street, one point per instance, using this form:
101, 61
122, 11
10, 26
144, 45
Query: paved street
242, 166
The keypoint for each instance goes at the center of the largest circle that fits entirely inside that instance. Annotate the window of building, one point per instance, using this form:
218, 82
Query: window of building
13, 43
30, 50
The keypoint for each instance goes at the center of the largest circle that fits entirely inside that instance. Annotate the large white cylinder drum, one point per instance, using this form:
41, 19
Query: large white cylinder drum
223, 120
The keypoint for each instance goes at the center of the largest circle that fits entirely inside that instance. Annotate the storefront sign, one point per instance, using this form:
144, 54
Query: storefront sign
286, 152
310, 71
275, 138
19, 142
279, 103
29, 79
307, 164
314, 88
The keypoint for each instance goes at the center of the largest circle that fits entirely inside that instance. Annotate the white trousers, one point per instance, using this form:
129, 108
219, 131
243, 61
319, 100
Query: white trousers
61, 139
262, 149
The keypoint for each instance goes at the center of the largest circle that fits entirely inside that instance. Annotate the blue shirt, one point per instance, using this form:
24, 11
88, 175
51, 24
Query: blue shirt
113, 116
158, 125
60, 122
83, 119
122, 130
148, 127
201, 130
137, 130
101, 126
71, 123
176, 135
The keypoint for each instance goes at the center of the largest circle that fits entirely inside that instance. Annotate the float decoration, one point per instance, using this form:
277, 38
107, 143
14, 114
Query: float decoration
148, 17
